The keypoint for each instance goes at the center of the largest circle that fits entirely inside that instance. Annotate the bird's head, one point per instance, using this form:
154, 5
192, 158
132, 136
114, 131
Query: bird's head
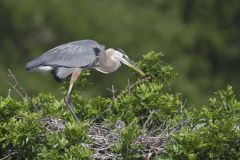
121, 56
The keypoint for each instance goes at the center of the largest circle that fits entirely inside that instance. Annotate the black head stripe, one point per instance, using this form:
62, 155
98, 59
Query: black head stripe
118, 49
125, 56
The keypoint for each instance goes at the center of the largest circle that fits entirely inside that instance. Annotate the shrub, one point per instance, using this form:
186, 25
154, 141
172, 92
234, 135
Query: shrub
211, 131
145, 120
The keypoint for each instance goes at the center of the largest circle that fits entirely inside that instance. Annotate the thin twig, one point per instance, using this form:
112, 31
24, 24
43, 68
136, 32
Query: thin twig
109, 107
9, 155
15, 88
135, 84
9, 93
104, 138
139, 81
150, 115
16, 82
16, 85
113, 91
128, 86
149, 155
181, 111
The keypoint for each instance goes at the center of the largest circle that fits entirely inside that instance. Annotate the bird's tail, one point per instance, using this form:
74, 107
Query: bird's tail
33, 65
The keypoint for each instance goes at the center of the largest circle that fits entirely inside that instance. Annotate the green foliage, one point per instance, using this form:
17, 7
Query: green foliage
155, 67
126, 147
90, 108
210, 132
145, 100
19, 129
23, 135
149, 98
47, 105
67, 145
145, 115
201, 39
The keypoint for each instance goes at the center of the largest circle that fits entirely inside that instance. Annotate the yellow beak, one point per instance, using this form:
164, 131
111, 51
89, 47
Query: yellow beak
131, 64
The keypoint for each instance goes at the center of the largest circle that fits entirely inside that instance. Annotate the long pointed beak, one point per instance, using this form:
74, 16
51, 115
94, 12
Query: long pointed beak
131, 64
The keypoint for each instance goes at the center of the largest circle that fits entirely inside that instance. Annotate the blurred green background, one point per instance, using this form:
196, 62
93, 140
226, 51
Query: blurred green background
200, 38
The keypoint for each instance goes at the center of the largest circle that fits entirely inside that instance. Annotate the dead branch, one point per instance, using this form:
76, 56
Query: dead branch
108, 108
104, 138
16, 85
53, 125
129, 87
9, 155
113, 91
149, 117
9, 93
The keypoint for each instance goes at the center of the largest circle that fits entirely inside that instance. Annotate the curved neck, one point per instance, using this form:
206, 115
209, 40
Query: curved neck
107, 62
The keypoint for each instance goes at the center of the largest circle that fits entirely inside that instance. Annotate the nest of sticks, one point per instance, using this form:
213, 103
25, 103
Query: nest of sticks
104, 139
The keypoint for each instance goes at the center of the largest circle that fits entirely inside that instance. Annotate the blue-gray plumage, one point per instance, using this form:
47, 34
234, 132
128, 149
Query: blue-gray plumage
70, 59
78, 54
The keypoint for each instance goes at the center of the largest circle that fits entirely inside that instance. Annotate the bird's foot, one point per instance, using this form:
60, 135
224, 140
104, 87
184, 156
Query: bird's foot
67, 101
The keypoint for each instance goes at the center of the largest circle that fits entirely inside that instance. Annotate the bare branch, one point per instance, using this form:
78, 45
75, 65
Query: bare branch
149, 117
113, 91
109, 107
9, 93
128, 86
16, 85
16, 89
127, 90
9, 155
104, 138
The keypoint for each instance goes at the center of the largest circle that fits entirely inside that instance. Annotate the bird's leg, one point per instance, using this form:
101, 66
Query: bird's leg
67, 101
67, 98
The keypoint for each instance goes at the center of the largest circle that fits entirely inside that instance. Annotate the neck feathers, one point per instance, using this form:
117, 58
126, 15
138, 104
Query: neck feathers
108, 62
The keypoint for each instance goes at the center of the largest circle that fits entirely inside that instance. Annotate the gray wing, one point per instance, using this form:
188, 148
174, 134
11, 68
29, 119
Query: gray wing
78, 54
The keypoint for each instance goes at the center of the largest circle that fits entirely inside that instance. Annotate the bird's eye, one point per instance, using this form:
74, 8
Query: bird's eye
125, 56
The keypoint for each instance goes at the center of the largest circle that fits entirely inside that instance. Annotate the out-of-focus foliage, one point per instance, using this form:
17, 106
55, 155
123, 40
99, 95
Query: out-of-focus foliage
201, 39
146, 107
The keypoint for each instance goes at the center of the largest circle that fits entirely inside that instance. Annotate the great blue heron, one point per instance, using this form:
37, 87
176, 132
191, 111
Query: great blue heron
70, 59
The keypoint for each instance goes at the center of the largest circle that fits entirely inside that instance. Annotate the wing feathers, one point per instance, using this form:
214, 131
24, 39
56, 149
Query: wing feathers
78, 54
32, 65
